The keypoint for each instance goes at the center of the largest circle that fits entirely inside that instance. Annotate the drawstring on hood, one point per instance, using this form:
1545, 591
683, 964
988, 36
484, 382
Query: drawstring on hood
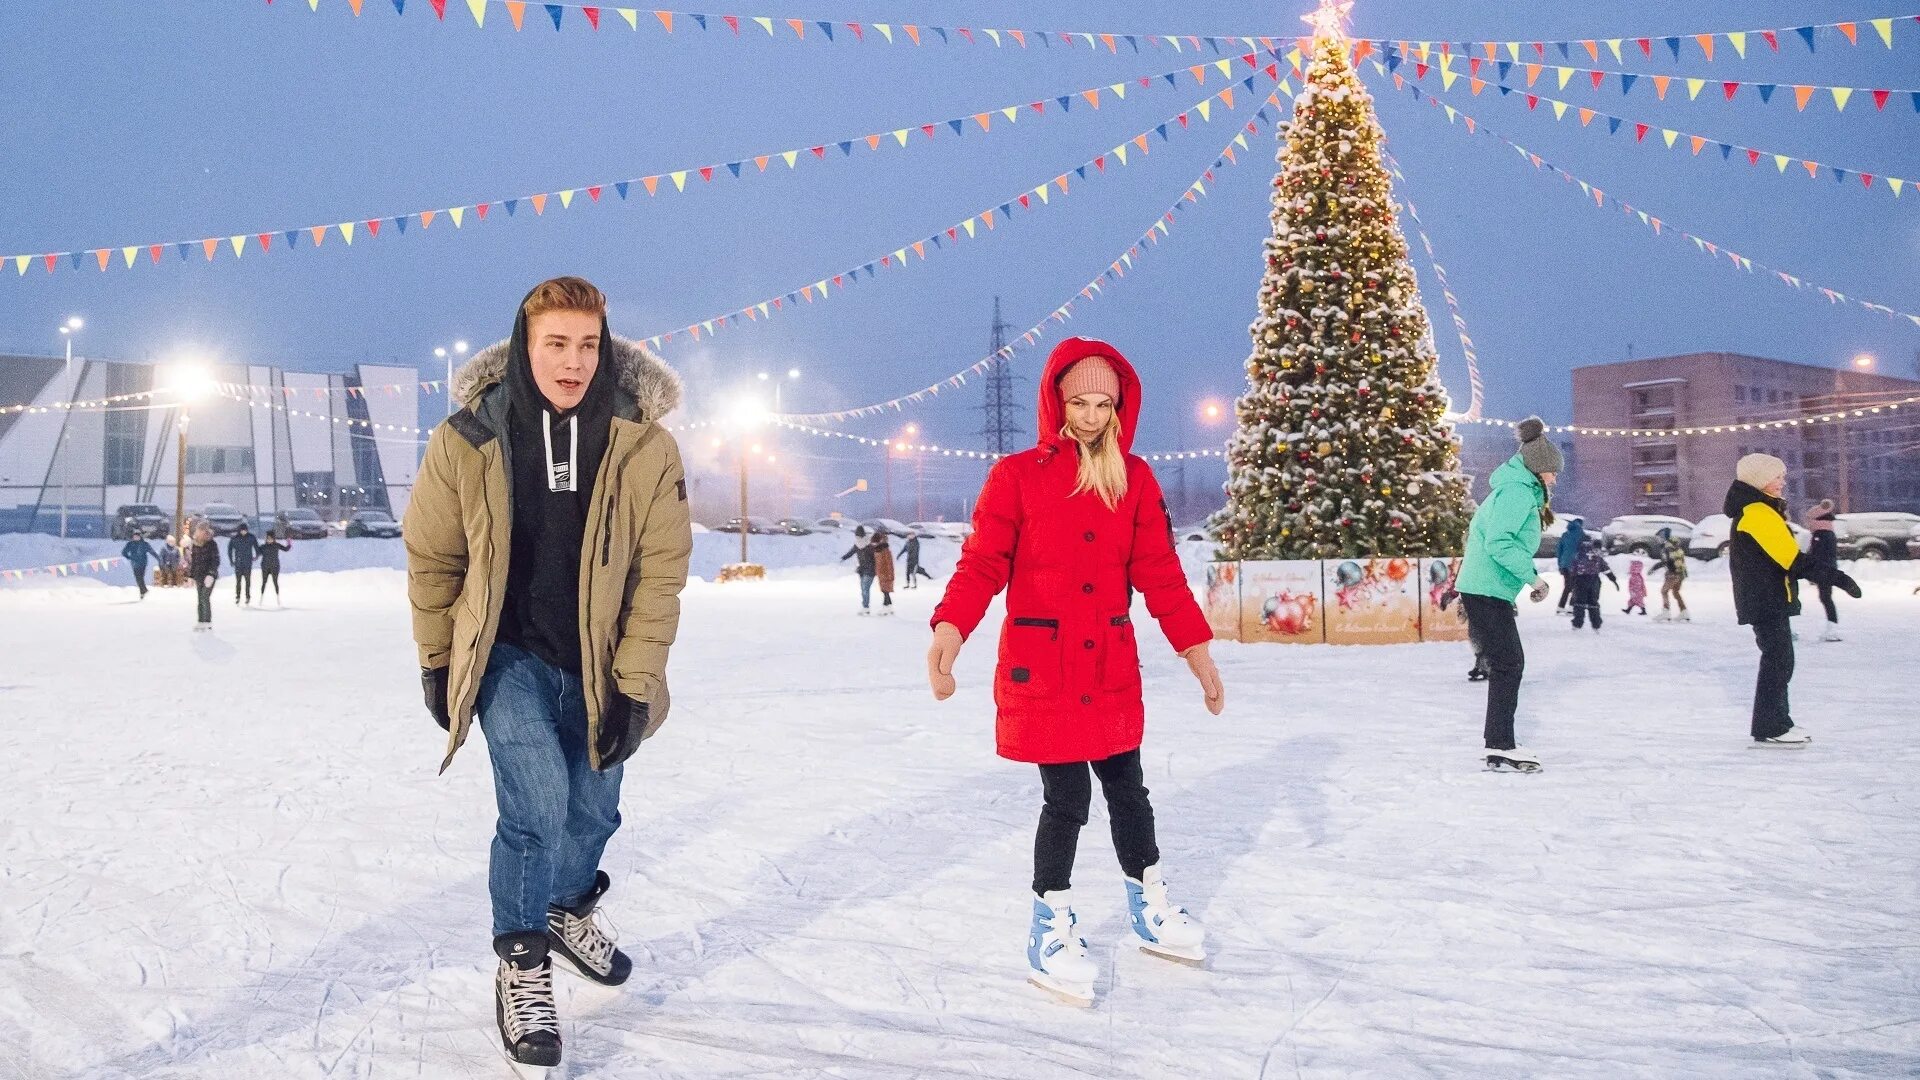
560, 474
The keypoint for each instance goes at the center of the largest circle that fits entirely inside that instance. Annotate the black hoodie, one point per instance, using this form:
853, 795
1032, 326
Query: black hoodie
552, 451
1766, 560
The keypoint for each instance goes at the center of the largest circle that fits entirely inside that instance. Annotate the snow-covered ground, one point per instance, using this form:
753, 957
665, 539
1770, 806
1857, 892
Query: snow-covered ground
229, 855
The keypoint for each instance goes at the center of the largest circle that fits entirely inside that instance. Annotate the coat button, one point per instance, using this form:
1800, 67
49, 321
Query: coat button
1087, 588
1088, 536
1089, 643
1086, 699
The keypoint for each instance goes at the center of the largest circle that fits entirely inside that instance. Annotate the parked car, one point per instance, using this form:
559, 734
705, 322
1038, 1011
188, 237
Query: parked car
794, 527
146, 517
1550, 536
834, 524
1639, 534
1874, 536
299, 523
223, 517
1913, 543
1713, 535
894, 528
757, 526
374, 523
942, 530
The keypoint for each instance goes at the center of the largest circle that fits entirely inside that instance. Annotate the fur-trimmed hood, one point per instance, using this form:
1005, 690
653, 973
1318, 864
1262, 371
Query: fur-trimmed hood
645, 379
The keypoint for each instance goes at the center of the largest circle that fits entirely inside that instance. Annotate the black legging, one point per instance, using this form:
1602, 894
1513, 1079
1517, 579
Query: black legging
1826, 601
1068, 794
1495, 633
1566, 590
269, 576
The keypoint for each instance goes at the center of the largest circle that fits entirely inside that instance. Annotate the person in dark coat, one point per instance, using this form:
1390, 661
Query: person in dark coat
883, 570
1824, 550
910, 555
1568, 550
1766, 563
136, 552
270, 564
169, 572
1587, 570
203, 567
241, 551
862, 554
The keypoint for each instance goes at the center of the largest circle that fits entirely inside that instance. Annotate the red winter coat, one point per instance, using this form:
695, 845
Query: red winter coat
1068, 680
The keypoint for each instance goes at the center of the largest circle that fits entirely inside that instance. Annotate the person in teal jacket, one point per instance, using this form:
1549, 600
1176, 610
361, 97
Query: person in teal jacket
1498, 566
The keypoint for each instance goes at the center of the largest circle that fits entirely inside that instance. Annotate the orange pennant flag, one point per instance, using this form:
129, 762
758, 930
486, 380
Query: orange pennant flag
104, 256
1813, 168
319, 234
517, 11
1660, 84
799, 28
210, 246
913, 32
1593, 50
761, 162
355, 5
539, 204
1227, 96
985, 121
1852, 32
873, 142
1199, 73
426, 218
666, 20
1706, 44
920, 248
653, 182
1107, 40
1698, 142
1141, 142
1533, 73
1092, 96
1802, 95
1586, 117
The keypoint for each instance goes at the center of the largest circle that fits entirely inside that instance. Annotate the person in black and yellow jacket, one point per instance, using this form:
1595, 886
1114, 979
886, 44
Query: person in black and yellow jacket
1766, 564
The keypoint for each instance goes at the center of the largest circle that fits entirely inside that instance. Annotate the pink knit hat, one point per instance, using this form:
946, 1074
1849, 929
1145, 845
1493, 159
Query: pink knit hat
1091, 376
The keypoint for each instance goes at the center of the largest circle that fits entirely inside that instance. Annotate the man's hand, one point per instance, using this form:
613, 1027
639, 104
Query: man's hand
1200, 661
1540, 591
433, 684
940, 658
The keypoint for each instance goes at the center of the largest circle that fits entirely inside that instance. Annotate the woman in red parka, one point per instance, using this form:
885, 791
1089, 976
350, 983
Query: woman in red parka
1071, 529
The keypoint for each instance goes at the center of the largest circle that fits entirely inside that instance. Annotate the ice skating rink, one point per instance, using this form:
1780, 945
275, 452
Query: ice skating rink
228, 855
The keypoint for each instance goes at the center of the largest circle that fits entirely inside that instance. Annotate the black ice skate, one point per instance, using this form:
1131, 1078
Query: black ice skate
523, 1000
582, 943
1518, 760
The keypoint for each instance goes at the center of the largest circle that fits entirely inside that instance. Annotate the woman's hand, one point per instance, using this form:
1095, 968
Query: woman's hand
940, 658
1200, 661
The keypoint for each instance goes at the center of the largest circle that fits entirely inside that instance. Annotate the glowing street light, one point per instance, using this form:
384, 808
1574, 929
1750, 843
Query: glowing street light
1864, 361
67, 330
186, 382
444, 354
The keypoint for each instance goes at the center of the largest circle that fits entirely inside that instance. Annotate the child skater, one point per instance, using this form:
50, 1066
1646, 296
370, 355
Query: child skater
1636, 588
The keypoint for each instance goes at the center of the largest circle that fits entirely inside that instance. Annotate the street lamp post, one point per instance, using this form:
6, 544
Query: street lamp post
186, 383
67, 330
779, 404
459, 349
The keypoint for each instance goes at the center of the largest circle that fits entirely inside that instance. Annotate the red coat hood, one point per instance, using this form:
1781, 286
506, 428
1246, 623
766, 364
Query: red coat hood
1053, 410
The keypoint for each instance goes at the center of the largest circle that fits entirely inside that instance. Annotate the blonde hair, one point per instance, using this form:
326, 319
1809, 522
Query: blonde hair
565, 294
1103, 465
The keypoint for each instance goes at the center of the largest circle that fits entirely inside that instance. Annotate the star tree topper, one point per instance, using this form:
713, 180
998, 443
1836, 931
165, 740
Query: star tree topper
1330, 18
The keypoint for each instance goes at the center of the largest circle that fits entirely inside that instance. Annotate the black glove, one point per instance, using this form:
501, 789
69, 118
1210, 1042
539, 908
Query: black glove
1846, 585
433, 684
620, 729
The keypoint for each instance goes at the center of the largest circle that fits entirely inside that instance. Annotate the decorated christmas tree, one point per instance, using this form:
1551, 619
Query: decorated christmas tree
1342, 448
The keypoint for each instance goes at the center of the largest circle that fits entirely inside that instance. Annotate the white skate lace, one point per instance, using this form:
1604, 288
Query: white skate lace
591, 939
528, 993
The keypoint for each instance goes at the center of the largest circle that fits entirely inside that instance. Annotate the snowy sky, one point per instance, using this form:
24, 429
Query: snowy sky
173, 118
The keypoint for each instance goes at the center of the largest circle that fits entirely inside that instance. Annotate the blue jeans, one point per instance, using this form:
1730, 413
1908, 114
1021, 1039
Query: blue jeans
556, 813
866, 591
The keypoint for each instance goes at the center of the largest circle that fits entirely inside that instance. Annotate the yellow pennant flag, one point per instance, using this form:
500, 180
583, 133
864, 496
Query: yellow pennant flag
680, 180
1566, 73
1670, 136
1780, 161
1739, 40
790, 157
1043, 193
886, 31
1885, 29
240, 245
709, 325
566, 199
765, 24
1206, 110
313, 5
1119, 90
458, 214
1694, 87
346, 233
479, 9
1241, 139
1012, 113
1225, 67
900, 256
20, 264
1559, 110
130, 253
517, 11
1453, 114
632, 15
1121, 153
968, 225
762, 305
1840, 96
900, 136
1447, 77
1614, 45
1896, 184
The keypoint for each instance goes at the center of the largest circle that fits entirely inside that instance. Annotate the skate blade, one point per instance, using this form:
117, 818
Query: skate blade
1192, 957
1756, 745
1509, 767
1080, 997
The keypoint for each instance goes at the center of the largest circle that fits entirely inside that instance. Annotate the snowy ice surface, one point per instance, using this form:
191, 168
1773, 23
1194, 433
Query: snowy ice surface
228, 855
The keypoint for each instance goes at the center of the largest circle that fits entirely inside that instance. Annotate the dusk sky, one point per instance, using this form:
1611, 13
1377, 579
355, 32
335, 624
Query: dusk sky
137, 122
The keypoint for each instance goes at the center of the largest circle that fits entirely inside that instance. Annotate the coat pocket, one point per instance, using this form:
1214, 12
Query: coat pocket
1121, 665
1030, 657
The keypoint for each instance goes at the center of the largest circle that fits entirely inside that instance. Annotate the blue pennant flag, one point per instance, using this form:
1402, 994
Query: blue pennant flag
1613, 125
1162, 129
1504, 66
1006, 210
1082, 171
1066, 104
400, 7
942, 32
511, 205
827, 29
1214, 43
1133, 41
1393, 61
1627, 79
1726, 151
956, 125
621, 187
702, 20
871, 272
1564, 54
1766, 93
1416, 92
732, 167
1044, 40
1171, 81
292, 235
1839, 174
554, 10
1674, 44
1806, 35
1916, 101
846, 150
183, 251
73, 258
936, 239
1505, 90
401, 224
1248, 83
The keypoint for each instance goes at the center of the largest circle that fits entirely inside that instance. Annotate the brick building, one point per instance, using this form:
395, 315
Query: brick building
1865, 463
